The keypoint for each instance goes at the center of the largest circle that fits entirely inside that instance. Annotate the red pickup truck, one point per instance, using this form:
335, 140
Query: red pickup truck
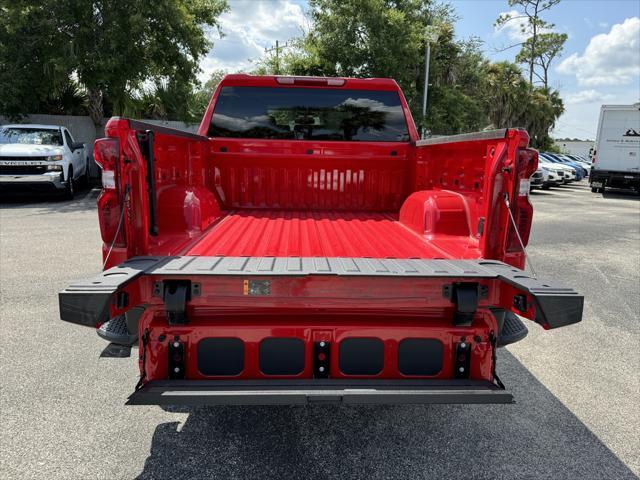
307, 246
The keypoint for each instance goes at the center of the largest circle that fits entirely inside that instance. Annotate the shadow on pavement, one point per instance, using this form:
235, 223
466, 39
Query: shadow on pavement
621, 195
536, 438
45, 204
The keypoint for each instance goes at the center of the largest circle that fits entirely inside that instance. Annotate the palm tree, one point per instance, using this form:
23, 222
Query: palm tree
506, 93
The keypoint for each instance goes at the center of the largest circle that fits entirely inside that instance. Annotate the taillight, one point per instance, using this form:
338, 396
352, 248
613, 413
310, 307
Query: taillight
107, 155
521, 209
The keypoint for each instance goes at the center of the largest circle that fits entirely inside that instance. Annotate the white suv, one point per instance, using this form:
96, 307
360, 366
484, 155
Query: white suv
41, 157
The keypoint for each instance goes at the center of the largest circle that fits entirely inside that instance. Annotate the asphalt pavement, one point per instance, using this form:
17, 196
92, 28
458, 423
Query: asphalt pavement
577, 388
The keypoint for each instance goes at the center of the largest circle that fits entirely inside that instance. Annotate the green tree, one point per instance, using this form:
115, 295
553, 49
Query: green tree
29, 48
505, 94
202, 95
386, 38
112, 46
532, 25
510, 102
543, 108
548, 47
455, 103
68, 99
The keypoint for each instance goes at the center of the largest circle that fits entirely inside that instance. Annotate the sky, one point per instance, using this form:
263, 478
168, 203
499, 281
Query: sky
600, 63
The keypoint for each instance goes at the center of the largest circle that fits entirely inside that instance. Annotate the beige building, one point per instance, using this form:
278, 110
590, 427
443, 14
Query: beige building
576, 147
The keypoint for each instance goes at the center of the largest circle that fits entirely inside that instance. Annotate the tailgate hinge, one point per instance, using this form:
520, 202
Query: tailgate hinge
465, 296
175, 295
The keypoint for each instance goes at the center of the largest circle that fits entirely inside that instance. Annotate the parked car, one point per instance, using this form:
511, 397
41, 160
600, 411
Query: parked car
537, 179
292, 253
574, 163
41, 158
567, 173
577, 169
582, 161
551, 177
544, 178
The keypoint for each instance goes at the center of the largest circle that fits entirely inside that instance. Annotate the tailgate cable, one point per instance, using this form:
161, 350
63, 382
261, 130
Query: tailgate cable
115, 237
515, 228
143, 358
493, 339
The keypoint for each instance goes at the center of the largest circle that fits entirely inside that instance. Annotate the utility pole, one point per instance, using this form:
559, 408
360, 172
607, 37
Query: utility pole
430, 36
277, 49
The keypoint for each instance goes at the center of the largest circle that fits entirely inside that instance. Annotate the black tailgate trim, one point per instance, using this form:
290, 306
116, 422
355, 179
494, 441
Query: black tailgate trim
87, 302
290, 392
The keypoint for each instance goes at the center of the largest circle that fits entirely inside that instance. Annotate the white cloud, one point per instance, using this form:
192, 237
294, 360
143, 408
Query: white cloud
603, 24
610, 58
581, 119
587, 96
249, 27
516, 29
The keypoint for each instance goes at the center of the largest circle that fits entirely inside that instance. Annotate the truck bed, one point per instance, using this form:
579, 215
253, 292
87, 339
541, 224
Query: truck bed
280, 233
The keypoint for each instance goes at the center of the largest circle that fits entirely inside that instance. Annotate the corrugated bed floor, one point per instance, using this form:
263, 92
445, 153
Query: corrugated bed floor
267, 233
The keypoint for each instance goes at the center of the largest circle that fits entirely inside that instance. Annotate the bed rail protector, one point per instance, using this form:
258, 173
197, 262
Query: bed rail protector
86, 302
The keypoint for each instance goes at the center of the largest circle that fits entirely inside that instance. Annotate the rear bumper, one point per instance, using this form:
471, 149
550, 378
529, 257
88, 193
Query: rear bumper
536, 182
604, 178
313, 391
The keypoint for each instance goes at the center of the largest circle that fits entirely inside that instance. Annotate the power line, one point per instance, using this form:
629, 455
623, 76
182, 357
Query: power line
592, 133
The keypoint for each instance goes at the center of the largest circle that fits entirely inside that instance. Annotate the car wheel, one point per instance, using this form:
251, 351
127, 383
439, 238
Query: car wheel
545, 187
69, 192
594, 190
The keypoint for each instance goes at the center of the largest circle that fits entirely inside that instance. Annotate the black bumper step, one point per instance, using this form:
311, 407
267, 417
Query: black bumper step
116, 331
513, 330
310, 391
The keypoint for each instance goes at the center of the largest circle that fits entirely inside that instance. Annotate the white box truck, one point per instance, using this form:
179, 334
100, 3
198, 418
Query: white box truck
616, 159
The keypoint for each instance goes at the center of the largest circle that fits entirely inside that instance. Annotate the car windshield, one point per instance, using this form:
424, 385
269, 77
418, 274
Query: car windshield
30, 136
309, 114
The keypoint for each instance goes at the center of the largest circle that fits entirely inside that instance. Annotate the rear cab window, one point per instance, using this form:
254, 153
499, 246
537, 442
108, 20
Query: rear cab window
309, 114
